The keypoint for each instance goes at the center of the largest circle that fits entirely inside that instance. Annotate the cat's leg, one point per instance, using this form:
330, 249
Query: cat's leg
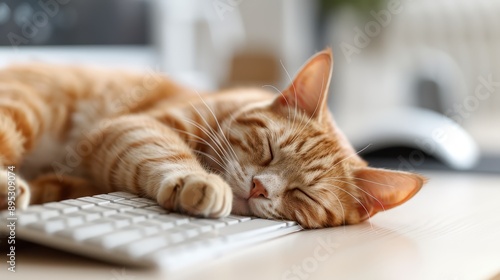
45, 188
21, 122
140, 155
52, 187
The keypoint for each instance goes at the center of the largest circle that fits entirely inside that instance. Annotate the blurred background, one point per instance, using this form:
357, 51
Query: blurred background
407, 72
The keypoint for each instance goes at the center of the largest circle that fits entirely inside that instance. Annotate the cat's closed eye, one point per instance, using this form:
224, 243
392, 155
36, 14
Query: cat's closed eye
271, 153
301, 193
268, 155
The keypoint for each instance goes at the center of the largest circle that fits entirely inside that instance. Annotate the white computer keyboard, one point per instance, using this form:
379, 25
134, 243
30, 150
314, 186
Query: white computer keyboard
126, 229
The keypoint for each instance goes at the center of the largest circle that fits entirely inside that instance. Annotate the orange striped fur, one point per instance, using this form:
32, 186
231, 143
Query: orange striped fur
74, 131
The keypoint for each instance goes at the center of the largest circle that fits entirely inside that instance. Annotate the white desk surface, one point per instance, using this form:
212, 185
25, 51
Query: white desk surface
450, 230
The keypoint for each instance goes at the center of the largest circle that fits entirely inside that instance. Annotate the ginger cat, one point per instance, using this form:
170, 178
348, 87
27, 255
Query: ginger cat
71, 132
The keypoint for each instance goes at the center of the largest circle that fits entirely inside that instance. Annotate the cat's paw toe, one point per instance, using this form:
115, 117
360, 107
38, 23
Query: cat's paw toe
206, 196
13, 186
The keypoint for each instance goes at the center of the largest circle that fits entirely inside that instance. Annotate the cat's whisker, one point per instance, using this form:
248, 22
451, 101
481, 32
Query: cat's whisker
239, 178
218, 125
198, 138
212, 134
284, 97
213, 159
274, 211
341, 207
232, 119
373, 182
213, 137
269, 213
367, 193
282, 214
240, 171
209, 135
269, 120
294, 92
314, 112
238, 162
202, 141
208, 130
360, 151
357, 200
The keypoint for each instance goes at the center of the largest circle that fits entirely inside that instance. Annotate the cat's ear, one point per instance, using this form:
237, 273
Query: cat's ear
308, 91
384, 189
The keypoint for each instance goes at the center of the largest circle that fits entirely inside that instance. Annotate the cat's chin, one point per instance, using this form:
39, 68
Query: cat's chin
241, 207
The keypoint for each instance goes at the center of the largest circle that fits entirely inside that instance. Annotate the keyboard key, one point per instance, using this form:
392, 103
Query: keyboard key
145, 200
94, 200
206, 225
70, 221
158, 223
116, 222
172, 218
124, 195
42, 212
290, 223
130, 217
239, 218
189, 230
249, 229
143, 246
174, 235
60, 222
101, 210
26, 218
85, 215
64, 208
87, 231
108, 197
180, 216
78, 203
143, 212
158, 209
116, 238
145, 228
132, 203
117, 207
228, 221
48, 226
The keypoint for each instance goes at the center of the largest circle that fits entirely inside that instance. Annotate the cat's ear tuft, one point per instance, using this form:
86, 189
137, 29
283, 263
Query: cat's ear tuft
384, 189
308, 91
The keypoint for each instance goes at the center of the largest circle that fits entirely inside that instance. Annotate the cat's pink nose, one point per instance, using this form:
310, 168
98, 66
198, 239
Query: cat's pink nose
258, 189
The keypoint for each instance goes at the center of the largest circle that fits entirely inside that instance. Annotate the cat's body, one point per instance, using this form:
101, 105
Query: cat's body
73, 131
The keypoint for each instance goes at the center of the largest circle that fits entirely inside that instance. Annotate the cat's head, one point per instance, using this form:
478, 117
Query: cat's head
290, 161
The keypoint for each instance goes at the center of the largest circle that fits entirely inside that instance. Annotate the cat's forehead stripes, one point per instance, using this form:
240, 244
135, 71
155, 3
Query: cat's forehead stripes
252, 121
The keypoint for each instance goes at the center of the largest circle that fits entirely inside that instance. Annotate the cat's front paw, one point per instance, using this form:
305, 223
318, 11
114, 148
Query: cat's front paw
205, 195
11, 185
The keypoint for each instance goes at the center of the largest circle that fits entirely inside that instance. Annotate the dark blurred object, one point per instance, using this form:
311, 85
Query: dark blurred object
411, 159
363, 6
428, 92
74, 22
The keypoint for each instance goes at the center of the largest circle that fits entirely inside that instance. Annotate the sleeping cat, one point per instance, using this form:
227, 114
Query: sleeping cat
72, 132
